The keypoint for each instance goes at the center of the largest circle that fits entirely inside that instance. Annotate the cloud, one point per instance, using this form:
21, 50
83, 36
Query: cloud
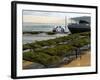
48, 17
42, 19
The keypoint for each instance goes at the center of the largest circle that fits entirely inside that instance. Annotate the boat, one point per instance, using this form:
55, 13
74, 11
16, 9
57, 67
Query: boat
80, 26
62, 28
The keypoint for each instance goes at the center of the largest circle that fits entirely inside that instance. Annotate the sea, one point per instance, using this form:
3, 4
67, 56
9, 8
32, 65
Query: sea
29, 38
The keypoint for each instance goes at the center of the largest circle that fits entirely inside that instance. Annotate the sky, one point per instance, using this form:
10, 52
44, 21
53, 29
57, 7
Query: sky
30, 16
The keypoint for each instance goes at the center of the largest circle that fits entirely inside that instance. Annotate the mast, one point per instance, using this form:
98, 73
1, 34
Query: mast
65, 23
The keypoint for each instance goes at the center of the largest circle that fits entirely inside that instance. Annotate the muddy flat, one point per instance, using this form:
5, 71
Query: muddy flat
26, 63
85, 60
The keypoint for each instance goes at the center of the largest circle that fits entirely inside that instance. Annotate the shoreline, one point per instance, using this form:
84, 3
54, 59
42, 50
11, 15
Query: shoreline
28, 38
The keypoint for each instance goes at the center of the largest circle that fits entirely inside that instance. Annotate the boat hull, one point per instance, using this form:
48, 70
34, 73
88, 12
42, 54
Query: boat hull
78, 28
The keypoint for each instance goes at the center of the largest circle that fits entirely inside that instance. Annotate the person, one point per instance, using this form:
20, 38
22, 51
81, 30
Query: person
62, 30
58, 29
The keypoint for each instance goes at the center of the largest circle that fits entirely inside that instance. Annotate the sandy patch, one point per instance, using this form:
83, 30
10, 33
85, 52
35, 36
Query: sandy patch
85, 60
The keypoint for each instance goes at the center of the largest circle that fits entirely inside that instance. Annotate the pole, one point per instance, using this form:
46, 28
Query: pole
65, 22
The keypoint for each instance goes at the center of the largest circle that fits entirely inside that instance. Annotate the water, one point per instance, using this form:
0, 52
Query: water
40, 27
37, 27
29, 38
